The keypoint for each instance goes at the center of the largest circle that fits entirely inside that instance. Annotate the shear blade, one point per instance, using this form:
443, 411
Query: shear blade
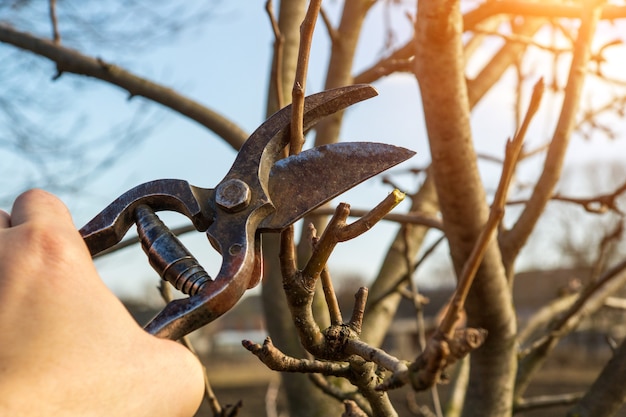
300, 183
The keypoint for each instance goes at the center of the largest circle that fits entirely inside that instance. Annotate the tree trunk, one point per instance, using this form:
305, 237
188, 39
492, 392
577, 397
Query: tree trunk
439, 67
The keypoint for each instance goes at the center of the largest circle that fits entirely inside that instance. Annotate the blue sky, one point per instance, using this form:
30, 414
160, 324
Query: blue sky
225, 65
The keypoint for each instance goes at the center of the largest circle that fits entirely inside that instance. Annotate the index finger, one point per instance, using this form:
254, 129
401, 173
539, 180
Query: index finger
5, 219
41, 205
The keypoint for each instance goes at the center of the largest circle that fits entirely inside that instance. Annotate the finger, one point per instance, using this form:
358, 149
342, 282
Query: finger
41, 205
5, 219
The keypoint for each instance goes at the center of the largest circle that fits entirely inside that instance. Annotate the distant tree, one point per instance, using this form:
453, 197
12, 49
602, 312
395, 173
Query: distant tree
459, 52
589, 233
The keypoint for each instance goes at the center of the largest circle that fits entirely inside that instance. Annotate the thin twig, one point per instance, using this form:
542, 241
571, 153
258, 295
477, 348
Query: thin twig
417, 304
421, 219
276, 360
299, 85
287, 252
360, 300
331, 298
367, 221
598, 204
574, 312
447, 343
517, 107
429, 252
332, 32
337, 230
376, 355
326, 243
513, 150
56, 36
387, 65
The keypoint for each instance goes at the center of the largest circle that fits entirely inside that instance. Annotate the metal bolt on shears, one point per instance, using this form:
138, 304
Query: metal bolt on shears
261, 193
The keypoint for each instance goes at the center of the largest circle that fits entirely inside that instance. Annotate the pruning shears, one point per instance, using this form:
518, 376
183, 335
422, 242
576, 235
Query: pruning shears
261, 193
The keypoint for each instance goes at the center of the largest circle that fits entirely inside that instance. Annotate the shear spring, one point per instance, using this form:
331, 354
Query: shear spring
167, 255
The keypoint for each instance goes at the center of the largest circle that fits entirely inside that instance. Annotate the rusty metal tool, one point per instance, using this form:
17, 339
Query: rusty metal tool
261, 193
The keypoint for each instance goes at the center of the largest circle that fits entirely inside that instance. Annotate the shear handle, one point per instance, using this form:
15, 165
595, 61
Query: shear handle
240, 247
109, 227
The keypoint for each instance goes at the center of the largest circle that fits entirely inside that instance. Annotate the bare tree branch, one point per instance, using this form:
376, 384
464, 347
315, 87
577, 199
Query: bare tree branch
397, 60
598, 204
513, 150
299, 85
72, 61
512, 241
276, 360
422, 219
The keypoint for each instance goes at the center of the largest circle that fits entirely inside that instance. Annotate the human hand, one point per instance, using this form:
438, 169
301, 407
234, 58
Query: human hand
68, 347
